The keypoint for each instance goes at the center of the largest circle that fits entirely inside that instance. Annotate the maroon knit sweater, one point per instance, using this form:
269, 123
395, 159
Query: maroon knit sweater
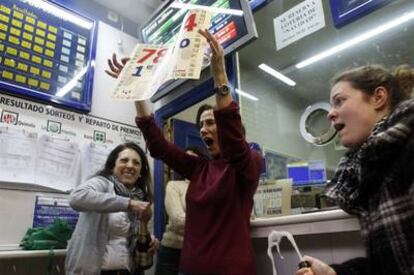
219, 198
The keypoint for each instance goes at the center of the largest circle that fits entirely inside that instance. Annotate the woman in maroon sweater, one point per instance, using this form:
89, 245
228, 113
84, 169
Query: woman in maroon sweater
220, 195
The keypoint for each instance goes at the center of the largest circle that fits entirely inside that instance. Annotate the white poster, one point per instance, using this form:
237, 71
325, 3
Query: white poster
17, 155
298, 22
58, 163
40, 145
93, 158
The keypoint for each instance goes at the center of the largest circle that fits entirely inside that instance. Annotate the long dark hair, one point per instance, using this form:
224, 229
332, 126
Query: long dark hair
144, 181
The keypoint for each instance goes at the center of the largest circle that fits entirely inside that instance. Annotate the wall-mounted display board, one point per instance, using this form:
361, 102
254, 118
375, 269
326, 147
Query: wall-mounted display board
47, 52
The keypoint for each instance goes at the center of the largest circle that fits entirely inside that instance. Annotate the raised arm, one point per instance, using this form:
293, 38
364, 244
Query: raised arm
218, 69
158, 146
230, 131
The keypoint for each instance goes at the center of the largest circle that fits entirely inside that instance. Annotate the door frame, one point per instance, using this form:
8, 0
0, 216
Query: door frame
173, 107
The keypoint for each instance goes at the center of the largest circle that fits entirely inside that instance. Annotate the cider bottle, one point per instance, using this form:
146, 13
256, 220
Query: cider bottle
144, 258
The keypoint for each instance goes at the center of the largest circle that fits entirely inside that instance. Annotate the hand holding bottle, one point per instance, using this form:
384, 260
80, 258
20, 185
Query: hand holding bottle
153, 246
146, 214
142, 208
143, 254
317, 268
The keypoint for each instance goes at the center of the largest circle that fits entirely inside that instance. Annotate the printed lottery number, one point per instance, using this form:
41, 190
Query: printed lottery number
184, 43
149, 52
190, 24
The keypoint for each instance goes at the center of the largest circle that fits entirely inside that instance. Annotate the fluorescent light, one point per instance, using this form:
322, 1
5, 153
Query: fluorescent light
184, 6
360, 38
72, 83
276, 74
60, 12
246, 95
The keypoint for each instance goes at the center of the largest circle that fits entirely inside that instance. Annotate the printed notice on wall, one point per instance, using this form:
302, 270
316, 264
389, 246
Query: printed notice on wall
298, 22
42, 146
152, 65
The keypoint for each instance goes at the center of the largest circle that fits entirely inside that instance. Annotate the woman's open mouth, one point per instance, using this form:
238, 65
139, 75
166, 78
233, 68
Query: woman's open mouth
339, 126
208, 141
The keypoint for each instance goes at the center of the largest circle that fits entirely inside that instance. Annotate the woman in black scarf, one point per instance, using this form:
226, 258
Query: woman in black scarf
374, 116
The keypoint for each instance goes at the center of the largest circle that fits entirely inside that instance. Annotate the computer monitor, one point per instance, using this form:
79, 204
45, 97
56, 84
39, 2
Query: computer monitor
232, 31
307, 173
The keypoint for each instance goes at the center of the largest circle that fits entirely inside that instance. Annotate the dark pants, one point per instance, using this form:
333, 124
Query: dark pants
168, 261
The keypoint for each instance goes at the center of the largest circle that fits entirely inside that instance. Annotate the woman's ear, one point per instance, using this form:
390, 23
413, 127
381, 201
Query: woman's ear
381, 98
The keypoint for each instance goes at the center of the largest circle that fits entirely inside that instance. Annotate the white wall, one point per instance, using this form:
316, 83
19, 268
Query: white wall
102, 104
16, 206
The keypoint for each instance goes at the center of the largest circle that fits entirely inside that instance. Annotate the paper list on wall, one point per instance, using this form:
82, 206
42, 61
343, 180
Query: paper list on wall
17, 155
153, 65
93, 158
58, 163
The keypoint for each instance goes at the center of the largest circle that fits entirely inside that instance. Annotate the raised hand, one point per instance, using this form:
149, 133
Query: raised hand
218, 67
115, 66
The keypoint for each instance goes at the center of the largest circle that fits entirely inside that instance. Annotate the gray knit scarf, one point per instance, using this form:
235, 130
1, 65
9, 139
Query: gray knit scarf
137, 194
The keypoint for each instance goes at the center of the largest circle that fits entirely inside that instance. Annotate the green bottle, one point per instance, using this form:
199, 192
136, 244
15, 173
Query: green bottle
144, 259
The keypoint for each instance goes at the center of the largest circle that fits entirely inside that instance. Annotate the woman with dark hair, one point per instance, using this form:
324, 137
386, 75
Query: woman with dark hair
219, 198
374, 116
112, 203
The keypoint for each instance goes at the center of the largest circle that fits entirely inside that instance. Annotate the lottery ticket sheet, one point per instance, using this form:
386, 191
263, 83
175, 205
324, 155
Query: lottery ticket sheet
152, 65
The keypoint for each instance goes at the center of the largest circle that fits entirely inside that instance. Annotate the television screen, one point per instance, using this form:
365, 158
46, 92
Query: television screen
231, 30
46, 53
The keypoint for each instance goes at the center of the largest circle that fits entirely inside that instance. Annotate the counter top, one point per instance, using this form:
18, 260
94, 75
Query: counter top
8, 254
330, 221
320, 222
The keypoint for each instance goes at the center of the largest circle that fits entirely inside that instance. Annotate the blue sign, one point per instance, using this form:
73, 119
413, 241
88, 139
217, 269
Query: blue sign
346, 11
49, 208
47, 53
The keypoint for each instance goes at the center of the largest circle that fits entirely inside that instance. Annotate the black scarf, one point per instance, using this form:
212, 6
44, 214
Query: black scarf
359, 172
